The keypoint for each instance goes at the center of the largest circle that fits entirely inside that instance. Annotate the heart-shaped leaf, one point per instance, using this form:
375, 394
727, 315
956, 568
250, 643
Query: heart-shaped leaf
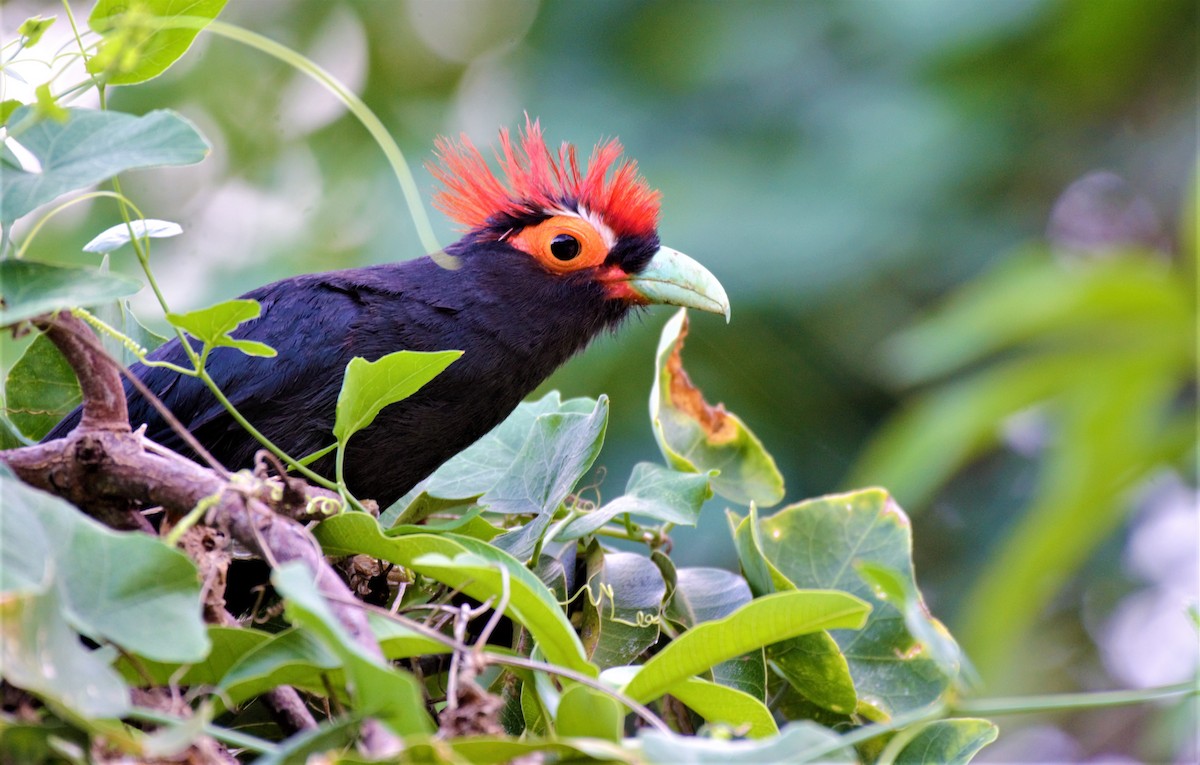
212, 325
112, 587
30, 289
90, 147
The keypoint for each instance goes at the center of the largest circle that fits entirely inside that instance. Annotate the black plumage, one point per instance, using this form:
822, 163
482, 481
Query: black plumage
513, 304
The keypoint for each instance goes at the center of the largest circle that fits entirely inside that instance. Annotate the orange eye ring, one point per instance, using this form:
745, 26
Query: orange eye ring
563, 244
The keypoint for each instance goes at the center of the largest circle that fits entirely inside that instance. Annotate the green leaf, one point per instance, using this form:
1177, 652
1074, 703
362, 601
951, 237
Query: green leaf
585, 712
707, 594
556, 568
294, 657
624, 601
33, 28
298, 658
816, 667
369, 386
478, 574
40, 741
819, 543
719, 703
398, 641
90, 147
901, 592
561, 447
761, 622
212, 325
40, 389
476, 469
1110, 438
113, 587
948, 742
1091, 318
137, 46
171, 740
654, 492
813, 664
697, 437
7, 107
530, 602
379, 690
330, 737
497, 750
760, 573
229, 646
46, 107
31, 289
41, 653
119, 315
938, 433
408, 520
115, 237
797, 743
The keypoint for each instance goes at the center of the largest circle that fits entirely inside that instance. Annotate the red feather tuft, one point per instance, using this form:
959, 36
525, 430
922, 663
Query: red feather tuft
535, 180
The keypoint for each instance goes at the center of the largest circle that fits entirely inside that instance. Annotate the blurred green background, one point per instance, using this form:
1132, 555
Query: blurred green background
842, 167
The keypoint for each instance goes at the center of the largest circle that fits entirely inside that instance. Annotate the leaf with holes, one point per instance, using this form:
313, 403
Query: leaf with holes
695, 436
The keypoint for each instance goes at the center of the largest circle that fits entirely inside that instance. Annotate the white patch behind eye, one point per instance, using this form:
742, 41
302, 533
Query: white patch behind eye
606, 233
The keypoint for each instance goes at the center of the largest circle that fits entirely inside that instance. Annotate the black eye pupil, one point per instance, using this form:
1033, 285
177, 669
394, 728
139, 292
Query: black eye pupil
564, 247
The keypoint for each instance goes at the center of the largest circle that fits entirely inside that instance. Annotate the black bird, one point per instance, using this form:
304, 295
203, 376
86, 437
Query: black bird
551, 257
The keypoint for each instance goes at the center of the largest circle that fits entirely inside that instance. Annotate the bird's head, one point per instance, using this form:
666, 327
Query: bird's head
587, 236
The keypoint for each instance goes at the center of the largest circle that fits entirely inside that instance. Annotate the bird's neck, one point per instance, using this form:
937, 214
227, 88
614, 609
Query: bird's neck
523, 320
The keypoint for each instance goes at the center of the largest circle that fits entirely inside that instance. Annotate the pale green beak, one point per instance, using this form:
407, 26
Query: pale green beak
672, 278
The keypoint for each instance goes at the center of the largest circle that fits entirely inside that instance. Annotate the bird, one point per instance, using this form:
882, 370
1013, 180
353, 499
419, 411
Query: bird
550, 257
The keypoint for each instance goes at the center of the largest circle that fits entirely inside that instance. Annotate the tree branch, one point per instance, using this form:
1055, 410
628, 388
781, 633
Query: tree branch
103, 464
99, 376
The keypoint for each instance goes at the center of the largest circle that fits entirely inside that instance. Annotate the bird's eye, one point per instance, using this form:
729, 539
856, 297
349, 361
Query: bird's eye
563, 243
564, 247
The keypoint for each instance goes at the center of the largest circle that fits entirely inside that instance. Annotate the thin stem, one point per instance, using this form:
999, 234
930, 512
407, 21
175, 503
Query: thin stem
522, 663
253, 431
868, 732
83, 50
1069, 701
1011, 705
37, 227
638, 534
497, 612
148, 362
493, 657
339, 473
357, 107
224, 735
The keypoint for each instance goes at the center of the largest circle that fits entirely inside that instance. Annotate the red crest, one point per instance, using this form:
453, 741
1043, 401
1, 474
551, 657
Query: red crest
535, 180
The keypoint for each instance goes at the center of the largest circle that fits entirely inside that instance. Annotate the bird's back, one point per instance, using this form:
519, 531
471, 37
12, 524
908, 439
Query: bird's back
317, 323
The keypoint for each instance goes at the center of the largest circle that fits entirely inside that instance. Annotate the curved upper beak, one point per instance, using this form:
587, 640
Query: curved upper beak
672, 278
